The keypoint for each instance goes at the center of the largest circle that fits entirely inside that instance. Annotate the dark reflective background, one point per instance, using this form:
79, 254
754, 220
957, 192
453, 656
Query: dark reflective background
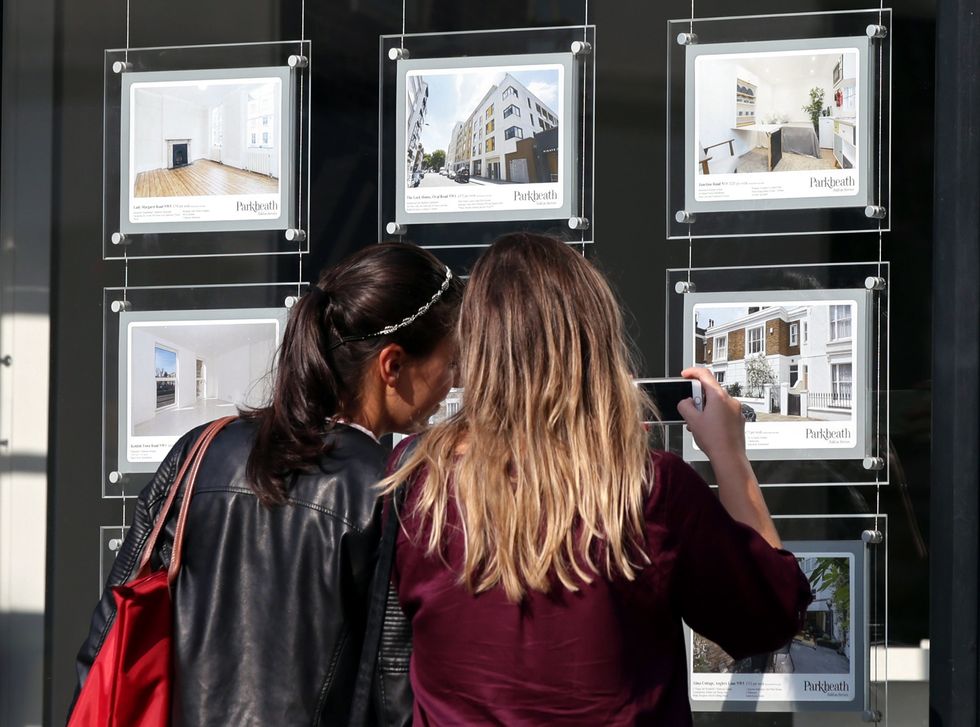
630, 245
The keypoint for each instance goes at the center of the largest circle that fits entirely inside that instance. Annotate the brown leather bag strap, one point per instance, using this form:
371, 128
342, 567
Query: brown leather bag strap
168, 503
210, 433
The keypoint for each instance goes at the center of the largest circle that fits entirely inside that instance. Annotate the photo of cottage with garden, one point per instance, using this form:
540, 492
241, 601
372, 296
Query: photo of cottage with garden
824, 644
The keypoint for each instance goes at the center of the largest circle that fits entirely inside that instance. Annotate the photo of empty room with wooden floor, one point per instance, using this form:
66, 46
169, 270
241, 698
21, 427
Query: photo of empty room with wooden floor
183, 373
206, 138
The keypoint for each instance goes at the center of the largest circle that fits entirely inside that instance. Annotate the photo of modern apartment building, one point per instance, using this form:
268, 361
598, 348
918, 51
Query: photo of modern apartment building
786, 362
506, 136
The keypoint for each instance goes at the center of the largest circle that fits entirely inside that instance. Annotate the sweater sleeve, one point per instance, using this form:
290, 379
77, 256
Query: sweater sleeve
728, 583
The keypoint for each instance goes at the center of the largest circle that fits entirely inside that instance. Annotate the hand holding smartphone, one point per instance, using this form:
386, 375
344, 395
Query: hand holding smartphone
669, 392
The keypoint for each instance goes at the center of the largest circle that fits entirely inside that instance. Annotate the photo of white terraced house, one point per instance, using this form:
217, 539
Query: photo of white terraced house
792, 362
207, 138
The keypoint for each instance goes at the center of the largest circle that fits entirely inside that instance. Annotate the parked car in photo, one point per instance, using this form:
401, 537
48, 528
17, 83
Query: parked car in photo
451, 173
443, 171
463, 175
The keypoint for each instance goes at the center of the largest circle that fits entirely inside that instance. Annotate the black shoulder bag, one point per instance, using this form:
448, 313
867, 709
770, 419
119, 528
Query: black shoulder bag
378, 604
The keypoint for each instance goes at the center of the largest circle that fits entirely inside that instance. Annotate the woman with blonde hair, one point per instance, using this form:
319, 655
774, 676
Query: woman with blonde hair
548, 556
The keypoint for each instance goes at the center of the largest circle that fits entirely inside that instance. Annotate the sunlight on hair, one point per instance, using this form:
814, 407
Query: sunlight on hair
546, 462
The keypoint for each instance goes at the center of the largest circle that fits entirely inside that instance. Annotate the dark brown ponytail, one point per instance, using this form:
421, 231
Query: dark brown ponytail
318, 376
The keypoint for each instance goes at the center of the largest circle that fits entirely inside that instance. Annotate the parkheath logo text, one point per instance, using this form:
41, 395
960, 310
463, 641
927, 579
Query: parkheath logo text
825, 687
257, 207
832, 182
828, 434
535, 197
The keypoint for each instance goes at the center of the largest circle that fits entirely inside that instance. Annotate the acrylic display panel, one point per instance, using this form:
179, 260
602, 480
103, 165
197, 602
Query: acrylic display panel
797, 361
178, 358
777, 124
834, 663
489, 131
804, 349
206, 150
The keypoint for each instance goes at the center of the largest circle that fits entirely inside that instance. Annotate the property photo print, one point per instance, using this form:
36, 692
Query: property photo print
777, 124
816, 665
790, 364
205, 149
180, 372
484, 138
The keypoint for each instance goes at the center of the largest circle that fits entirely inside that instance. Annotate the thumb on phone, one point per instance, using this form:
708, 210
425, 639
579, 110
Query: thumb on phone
688, 410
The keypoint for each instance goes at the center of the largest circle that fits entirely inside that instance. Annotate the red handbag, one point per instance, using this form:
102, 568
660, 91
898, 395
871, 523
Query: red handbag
129, 683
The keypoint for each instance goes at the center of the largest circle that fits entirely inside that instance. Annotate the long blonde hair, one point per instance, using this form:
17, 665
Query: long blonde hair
547, 460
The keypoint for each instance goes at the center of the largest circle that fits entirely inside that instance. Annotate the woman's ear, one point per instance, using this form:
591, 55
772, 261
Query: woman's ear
390, 362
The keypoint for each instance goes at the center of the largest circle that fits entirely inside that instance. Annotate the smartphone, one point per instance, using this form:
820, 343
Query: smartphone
668, 393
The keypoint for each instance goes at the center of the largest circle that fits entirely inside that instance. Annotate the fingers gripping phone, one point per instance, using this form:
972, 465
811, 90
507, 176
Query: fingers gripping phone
668, 393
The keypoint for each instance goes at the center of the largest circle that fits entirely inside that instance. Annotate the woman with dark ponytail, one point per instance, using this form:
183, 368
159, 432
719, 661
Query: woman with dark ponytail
284, 524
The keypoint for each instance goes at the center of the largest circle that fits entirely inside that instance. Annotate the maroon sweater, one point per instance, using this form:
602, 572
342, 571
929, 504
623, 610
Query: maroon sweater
613, 652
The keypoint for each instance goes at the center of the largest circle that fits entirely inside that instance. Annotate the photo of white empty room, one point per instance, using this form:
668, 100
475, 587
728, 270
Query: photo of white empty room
204, 149
181, 373
816, 665
777, 124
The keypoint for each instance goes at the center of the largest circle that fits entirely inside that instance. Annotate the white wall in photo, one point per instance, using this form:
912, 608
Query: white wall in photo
238, 359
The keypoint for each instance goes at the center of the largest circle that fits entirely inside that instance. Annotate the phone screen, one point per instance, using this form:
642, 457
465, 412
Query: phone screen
667, 395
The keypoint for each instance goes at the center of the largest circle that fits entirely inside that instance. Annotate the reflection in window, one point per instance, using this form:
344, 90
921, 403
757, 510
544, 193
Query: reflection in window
514, 132
511, 111
491, 144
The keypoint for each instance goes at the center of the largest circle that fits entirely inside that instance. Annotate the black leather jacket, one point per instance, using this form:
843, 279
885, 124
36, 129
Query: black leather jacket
270, 603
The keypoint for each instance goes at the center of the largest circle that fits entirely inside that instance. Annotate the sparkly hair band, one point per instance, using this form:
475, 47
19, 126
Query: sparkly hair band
404, 321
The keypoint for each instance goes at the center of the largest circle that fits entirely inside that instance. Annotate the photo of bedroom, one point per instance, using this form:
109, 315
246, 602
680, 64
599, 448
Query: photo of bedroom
783, 111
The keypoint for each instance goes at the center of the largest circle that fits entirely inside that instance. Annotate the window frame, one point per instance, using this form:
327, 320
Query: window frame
158, 379
837, 323
717, 347
761, 328
264, 123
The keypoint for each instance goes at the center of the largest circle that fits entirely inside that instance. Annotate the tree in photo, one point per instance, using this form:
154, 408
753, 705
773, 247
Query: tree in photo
815, 107
436, 160
758, 373
833, 575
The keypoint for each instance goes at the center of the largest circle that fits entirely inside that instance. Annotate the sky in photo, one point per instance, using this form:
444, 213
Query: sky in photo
165, 362
454, 96
719, 314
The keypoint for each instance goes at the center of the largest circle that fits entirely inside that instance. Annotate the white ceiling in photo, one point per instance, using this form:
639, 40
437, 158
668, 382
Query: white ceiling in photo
785, 69
200, 94
214, 339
